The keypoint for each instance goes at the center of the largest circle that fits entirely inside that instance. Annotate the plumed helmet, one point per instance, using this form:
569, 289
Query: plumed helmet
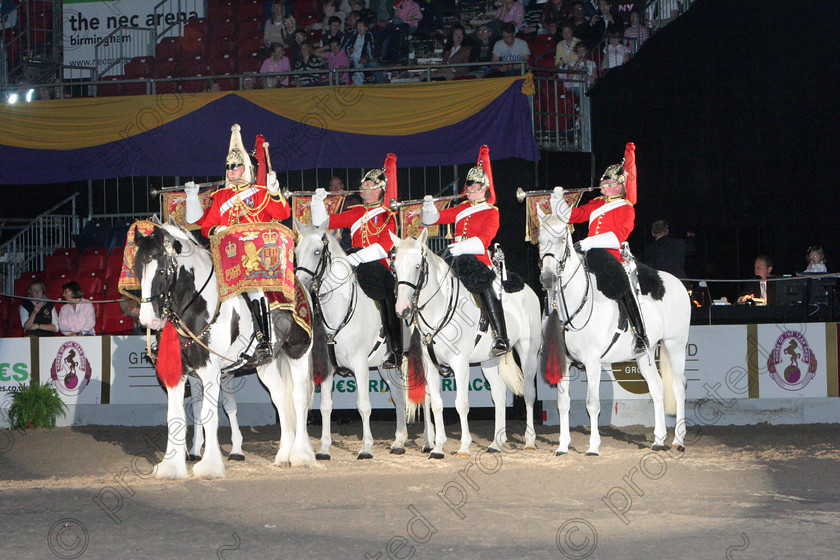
378, 177
477, 175
238, 155
614, 174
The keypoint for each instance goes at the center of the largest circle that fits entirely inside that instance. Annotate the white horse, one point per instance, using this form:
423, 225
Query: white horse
226, 393
588, 327
447, 317
178, 284
354, 324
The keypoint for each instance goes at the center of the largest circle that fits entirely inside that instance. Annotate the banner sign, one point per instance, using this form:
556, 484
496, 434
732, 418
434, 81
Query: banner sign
175, 206
127, 279
74, 364
532, 219
15, 369
301, 207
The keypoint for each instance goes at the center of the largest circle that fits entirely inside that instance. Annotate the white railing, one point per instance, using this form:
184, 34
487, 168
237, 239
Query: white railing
121, 45
27, 249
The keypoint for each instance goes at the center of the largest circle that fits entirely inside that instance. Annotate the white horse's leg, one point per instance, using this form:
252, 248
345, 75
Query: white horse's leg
654, 382
462, 403
676, 353
301, 454
174, 463
323, 453
593, 404
529, 359
428, 424
433, 392
196, 391
498, 390
211, 464
392, 378
564, 399
270, 376
362, 373
228, 388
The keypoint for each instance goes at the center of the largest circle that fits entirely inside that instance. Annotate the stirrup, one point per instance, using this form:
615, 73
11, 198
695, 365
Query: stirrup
640, 345
392, 360
500, 346
262, 352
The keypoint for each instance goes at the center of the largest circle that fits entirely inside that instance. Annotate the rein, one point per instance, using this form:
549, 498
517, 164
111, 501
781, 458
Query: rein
567, 323
417, 309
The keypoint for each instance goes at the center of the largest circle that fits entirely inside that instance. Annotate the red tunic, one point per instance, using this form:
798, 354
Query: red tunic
254, 204
473, 220
617, 216
368, 225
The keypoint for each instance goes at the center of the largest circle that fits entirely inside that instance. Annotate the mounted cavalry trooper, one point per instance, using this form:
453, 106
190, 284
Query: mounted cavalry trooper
476, 223
242, 200
371, 224
611, 218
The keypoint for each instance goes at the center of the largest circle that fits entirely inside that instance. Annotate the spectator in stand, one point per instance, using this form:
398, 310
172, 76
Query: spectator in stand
336, 59
331, 10
510, 11
532, 22
583, 63
637, 32
307, 61
76, 317
213, 86
668, 253
131, 308
482, 50
615, 53
602, 23
510, 49
760, 292
248, 80
364, 13
277, 62
44, 92
591, 8
332, 31
38, 316
298, 38
275, 28
579, 21
350, 31
362, 53
816, 260
408, 12
565, 53
555, 13
457, 50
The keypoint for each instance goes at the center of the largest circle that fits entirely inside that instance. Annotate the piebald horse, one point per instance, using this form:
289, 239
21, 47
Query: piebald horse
448, 318
178, 285
353, 323
589, 328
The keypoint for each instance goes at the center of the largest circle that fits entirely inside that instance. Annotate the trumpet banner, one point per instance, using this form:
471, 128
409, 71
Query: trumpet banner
301, 207
175, 206
411, 224
252, 257
532, 220
128, 281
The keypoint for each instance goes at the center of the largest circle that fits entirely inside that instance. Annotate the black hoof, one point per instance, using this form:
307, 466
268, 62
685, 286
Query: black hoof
193, 458
322, 457
560, 453
398, 451
661, 447
493, 450
679, 448
361, 456
592, 454
436, 456
426, 449
236, 457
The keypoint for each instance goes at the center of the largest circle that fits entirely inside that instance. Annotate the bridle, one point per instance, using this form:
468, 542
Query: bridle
560, 290
324, 262
416, 315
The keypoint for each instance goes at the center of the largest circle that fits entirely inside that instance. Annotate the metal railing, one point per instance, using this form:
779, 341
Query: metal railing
30, 44
121, 45
170, 16
561, 110
26, 250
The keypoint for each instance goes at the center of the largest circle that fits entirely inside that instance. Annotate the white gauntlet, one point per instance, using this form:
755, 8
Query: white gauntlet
468, 246
319, 211
430, 213
193, 209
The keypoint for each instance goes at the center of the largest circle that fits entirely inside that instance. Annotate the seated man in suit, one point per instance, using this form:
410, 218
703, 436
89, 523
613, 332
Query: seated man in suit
760, 292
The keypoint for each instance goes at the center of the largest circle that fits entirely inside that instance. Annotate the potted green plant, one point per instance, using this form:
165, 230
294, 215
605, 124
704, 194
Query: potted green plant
35, 406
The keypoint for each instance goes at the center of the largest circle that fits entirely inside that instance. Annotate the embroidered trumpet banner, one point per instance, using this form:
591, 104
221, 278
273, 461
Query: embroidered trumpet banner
411, 219
253, 257
301, 207
128, 282
175, 206
532, 219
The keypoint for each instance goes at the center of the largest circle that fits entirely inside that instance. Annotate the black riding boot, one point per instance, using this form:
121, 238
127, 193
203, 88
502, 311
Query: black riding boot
640, 341
493, 307
393, 330
259, 312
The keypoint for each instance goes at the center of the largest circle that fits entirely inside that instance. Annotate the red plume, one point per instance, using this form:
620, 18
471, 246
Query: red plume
391, 174
630, 172
169, 366
484, 162
259, 153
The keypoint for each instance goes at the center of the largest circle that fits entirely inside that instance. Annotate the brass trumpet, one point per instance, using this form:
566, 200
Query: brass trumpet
289, 193
395, 204
180, 188
522, 194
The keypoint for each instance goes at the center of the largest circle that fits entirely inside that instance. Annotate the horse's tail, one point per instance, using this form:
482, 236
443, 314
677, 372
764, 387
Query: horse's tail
415, 376
321, 363
669, 397
511, 374
553, 351
170, 369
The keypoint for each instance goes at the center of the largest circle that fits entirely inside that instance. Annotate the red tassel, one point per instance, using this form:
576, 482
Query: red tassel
630, 172
553, 354
259, 153
321, 362
169, 366
484, 162
391, 191
416, 373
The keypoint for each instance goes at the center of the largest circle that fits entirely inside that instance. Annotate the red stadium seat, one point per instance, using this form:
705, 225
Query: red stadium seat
112, 286
307, 9
54, 287
114, 263
110, 90
140, 67
224, 65
191, 46
226, 28
225, 46
91, 262
250, 29
543, 44
112, 321
196, 28
91, 287
58, 263
251, 9
221, 11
